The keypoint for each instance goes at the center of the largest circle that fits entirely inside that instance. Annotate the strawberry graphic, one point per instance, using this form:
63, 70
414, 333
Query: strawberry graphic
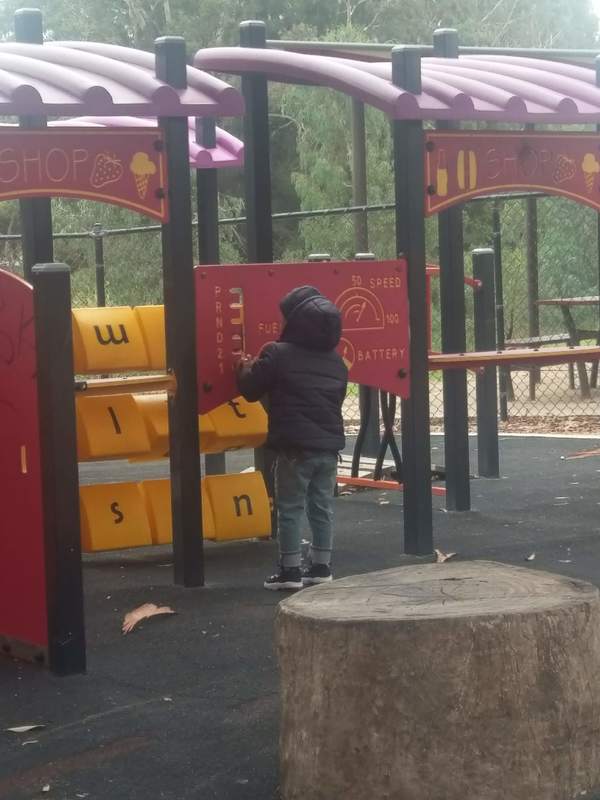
565, 169
107, 169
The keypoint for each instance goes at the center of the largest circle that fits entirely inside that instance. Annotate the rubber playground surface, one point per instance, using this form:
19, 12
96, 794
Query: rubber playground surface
186, 706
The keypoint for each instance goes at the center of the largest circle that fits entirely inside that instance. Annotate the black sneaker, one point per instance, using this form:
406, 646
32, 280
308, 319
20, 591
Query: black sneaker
317, 573
290, 578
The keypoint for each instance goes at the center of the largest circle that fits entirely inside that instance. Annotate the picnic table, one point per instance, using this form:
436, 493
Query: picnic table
576, 335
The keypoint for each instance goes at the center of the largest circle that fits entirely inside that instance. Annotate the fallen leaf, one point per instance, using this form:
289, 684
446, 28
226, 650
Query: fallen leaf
530, 557
384, 502
564, 561
441, 557
168, 699
29, 741
143, 612
46, 788
25, 728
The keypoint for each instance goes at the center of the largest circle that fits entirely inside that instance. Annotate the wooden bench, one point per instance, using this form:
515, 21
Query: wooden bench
534, 372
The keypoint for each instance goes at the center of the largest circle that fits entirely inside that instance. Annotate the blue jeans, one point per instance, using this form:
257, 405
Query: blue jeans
305, 482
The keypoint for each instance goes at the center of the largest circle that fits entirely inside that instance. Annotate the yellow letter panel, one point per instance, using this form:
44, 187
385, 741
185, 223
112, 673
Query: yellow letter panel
110, 426
240, 506
157, 494
238, 424
113, 517
152, 323
108, 340
155, 413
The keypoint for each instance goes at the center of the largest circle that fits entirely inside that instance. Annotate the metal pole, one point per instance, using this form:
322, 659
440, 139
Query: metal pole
98, 237
36, 212
452, 303
257, 177
368, 401
207, 199
180, 330
60, 479
487, 390
409, 184
257, 160
533, 310
497, 245
594, 375
359, 176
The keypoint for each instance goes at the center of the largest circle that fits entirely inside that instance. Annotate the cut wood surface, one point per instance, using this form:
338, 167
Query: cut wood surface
455, 680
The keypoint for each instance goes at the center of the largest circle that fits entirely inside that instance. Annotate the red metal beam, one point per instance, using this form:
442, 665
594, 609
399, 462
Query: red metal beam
371, 483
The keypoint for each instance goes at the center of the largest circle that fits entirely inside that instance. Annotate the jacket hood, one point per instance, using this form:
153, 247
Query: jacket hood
312, 320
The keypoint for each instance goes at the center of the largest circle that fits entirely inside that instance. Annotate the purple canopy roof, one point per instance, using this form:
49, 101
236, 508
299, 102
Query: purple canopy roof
66, 78
229, 151
483, 87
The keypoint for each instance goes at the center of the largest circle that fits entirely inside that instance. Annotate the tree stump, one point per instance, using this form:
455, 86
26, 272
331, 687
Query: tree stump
456, 681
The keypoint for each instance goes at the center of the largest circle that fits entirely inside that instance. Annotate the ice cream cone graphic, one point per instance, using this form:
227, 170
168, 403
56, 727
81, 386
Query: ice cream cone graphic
141, 183
591, 168
142, 167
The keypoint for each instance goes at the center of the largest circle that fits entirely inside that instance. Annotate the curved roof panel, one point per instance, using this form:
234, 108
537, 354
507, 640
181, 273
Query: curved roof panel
229, 151
66, 78
499, 88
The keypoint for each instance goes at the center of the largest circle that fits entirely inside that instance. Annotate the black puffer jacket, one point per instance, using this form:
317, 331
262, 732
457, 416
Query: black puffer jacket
303, 376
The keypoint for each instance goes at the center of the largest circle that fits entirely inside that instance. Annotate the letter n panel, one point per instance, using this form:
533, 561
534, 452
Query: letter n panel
240, 506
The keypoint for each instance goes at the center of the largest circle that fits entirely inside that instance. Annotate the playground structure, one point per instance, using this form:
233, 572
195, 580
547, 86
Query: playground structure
90, 162
445, 88
173, 95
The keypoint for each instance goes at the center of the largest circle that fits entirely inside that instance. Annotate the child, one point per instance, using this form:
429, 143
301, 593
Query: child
305, 381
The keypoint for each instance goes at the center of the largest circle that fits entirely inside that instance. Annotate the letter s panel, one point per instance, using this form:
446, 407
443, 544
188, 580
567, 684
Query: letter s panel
113, 517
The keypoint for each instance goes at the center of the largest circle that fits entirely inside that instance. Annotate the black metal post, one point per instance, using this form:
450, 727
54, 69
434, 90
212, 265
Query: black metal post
594, 375
359, 176
257, 160
207, 206
409, 184
60, 478
487, 389
533, 294
452, 304
36, 212
369, 440
98, 237
207, 185
180, 329
257, 178
497, 245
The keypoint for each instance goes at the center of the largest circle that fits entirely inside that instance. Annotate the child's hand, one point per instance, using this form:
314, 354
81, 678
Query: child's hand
241, 360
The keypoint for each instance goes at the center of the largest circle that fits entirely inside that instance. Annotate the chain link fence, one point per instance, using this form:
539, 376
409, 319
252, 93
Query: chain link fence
549, 250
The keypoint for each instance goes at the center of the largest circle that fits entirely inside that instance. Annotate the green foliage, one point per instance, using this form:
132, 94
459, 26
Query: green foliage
311, 141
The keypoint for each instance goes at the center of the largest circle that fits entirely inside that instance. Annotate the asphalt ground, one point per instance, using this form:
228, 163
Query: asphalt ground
186, 706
